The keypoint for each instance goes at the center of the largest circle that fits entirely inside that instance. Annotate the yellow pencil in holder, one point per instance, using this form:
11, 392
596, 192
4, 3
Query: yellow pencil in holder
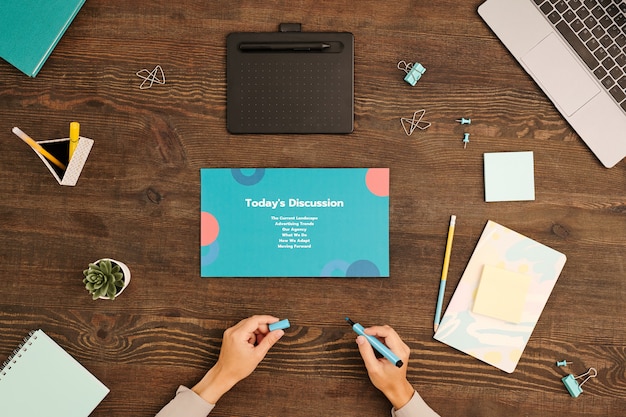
38, 148
47, 149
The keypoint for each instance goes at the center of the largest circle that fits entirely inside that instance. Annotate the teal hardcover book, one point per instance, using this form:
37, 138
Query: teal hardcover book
294, 222
42, 379
30, 29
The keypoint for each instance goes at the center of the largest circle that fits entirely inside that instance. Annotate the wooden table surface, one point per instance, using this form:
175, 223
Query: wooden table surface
137, 200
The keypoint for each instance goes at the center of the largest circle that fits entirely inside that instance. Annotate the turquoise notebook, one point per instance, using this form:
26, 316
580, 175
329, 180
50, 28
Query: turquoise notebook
42, 379
294, 222
30, 29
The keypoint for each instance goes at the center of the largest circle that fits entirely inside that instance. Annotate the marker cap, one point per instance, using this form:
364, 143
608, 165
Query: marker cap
283, 324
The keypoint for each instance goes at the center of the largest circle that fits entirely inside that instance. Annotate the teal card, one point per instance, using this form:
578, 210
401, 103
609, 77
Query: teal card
294, 222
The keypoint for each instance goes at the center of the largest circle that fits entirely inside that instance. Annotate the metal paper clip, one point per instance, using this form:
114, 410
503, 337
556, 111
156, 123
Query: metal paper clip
413, 71
572, 385
150, 77
409, 125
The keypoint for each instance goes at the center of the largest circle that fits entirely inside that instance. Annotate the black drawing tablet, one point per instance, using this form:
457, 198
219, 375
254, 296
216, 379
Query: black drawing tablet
290, 82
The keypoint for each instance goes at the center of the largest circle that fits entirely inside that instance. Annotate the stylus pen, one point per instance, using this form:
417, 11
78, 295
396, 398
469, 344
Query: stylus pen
376, 344
284, 46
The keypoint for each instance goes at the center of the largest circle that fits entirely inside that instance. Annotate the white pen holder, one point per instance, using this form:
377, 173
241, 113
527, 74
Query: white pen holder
59, 148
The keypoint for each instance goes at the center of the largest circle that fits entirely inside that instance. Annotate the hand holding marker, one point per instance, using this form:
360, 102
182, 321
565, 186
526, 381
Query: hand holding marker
376, 344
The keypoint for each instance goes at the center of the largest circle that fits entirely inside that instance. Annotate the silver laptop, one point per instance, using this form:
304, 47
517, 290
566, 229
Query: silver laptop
575, 50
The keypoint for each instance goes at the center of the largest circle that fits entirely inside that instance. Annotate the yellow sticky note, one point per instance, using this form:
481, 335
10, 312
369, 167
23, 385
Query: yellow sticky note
501, 294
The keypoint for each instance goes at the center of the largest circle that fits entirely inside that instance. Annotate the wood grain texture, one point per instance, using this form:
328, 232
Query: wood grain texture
137, 200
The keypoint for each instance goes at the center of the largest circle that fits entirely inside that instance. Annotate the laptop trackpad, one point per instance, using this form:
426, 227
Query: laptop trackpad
568, 84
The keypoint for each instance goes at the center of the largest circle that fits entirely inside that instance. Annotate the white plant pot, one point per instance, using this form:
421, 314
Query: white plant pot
126, 273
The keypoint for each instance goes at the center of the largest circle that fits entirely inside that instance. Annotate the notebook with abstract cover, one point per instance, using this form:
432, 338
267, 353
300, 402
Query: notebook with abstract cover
42, 379
491, 338
294, 222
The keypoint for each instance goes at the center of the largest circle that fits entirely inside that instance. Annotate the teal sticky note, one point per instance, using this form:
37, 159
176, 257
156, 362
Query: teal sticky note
509, 176
30, 29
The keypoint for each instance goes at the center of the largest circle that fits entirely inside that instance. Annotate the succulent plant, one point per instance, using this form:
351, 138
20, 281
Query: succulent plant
103, 279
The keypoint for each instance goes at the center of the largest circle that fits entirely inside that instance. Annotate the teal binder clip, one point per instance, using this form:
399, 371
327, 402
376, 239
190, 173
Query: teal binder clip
413, 71
572, 385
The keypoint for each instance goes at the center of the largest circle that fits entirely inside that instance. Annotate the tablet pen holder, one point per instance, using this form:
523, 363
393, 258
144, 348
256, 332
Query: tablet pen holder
59, 148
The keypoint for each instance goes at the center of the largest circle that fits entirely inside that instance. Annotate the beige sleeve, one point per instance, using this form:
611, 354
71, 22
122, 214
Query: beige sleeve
416, 407
186, 403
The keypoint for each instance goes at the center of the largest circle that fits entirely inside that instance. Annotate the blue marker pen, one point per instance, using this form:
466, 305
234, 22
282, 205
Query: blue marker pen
376, 344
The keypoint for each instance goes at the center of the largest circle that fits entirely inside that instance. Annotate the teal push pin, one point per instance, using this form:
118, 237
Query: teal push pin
465, 139
572, 385
464, 121
563, 363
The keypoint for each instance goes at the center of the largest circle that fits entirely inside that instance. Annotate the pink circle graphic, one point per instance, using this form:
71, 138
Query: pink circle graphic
377, 181
209, 228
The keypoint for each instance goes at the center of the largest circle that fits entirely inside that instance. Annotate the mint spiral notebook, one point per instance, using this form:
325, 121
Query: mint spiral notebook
42, 379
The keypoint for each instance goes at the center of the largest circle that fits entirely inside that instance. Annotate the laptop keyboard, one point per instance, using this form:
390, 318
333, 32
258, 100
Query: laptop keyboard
596, 30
